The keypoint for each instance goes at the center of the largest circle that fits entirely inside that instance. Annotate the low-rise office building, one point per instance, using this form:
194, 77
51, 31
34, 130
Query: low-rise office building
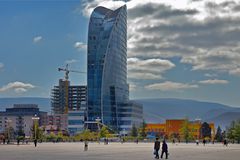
20, 119
172, 128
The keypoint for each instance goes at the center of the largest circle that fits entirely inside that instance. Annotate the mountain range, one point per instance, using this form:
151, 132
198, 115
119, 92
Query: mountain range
158, 110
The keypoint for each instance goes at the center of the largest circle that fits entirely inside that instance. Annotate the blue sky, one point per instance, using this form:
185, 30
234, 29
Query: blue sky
176, 50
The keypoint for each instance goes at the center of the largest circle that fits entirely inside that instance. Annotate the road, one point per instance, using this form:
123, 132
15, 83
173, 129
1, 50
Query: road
116, 151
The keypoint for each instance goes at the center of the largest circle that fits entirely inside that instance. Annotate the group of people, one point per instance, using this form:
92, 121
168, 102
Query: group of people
157, 145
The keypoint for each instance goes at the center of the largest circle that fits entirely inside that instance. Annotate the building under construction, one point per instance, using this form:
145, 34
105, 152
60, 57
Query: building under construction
65, 97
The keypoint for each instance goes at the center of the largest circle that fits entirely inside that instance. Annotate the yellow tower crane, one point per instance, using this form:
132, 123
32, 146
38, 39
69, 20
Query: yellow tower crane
67, 71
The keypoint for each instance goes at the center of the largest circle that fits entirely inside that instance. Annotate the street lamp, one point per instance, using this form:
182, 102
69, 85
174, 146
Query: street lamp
35, 120
8, 124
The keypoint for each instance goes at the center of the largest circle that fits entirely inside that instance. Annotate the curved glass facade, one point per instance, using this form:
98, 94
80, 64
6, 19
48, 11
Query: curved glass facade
107, 64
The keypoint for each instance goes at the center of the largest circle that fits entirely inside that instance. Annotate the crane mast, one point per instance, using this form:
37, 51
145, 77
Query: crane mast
67, 71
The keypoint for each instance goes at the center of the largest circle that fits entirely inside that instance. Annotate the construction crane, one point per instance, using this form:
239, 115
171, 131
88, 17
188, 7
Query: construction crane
67, 71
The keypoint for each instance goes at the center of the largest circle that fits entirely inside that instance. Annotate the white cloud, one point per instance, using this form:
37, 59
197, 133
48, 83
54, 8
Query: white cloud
71, 61
37, 39
18, 87
214, 81
221, 59
80, 46
235, 72
170, 86
147, 68
210, 75
132, 87
203, 33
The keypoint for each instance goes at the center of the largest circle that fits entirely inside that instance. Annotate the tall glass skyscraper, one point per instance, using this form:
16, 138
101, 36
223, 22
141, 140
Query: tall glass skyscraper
107, 65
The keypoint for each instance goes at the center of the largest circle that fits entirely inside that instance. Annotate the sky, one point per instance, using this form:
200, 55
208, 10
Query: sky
185, 49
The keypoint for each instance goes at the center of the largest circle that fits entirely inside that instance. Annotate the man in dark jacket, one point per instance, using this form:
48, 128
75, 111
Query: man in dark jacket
156, 148
164, 149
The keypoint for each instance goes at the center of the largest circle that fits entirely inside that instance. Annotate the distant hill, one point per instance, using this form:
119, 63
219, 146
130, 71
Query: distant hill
158, 110
225, 119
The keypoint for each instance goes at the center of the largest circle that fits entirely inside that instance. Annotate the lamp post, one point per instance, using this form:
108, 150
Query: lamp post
98, 121
35, 120
8, 124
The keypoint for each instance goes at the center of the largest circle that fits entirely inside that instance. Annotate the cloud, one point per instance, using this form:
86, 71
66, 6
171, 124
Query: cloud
147, 68
18, 87
37, 39
132, 87
170, 86
214, 81
235, 72
80, 46
221, 59
201, 33
210, 75
71, 61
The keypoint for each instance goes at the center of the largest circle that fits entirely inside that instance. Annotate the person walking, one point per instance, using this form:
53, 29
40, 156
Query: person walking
85, 145
204, 142
225, 142
197, 142
35, 142
18, 141
156, 148
164, 149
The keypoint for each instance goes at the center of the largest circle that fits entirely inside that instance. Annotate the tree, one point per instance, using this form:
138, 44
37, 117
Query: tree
103, 132
38, 132
230, 131
236, 132
60, 136
185, 131
205, 130
9, 133
143, 130
51, 137
218, 136
134, 131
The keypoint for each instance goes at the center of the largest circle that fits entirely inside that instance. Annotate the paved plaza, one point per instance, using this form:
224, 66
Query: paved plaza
116, 151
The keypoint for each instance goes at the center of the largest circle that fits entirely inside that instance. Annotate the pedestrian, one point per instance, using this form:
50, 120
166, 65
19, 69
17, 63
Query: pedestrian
213, 141
225, 143
35, 142
164, 149
173, 141
85, 145
156, 148
137, 140
197, 142
204, 142
18, 141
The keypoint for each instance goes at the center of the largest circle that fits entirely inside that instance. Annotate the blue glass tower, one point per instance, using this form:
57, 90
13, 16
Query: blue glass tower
107, 65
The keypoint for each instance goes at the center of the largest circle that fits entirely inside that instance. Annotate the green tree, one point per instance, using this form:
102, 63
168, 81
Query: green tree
218, 136
185, 131
236, 132
134, 131
143, 130
9, 133
87, 135
103, 132
51, 137
230, 131
60, 136
39, 132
